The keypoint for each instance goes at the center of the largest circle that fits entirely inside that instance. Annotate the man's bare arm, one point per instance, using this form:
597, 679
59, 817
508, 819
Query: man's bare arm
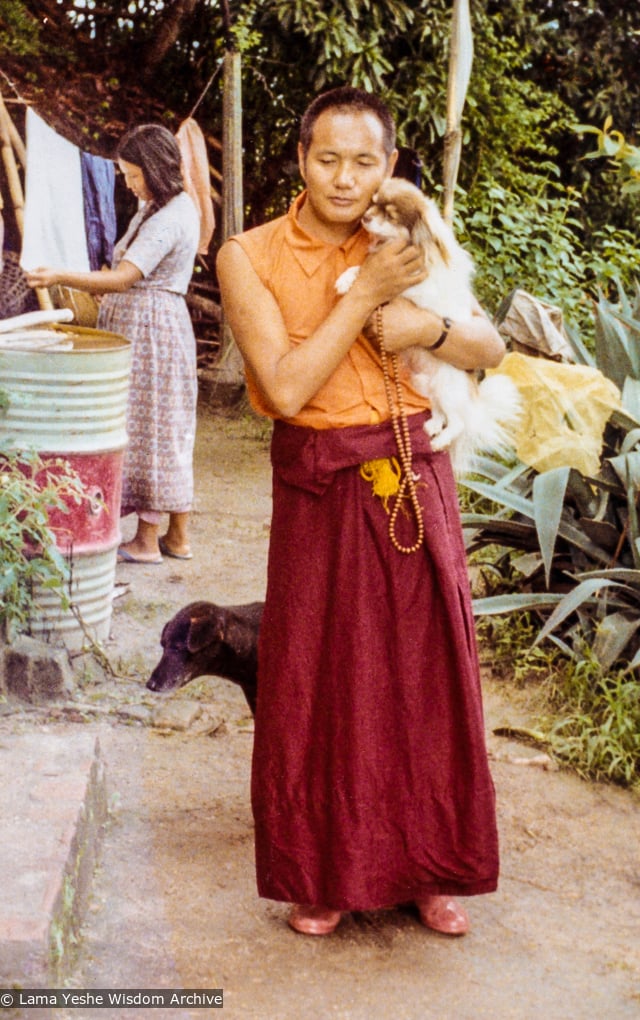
289, 376
469, 345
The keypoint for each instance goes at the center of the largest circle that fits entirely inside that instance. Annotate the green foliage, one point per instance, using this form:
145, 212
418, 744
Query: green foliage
29, 558
588, 718
535, 240
513, 124
510, 642
528, 240
576, 540
333, 33
18, 29
623, 156
540, 68
597, 728
590, 52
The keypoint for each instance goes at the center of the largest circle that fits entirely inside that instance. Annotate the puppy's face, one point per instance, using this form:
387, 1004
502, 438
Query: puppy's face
399, 209
384, 221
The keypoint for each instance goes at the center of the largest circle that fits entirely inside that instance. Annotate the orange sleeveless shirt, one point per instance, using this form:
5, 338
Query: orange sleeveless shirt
301, 271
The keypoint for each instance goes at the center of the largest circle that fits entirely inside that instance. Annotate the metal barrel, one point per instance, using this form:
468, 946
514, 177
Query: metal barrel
71, 405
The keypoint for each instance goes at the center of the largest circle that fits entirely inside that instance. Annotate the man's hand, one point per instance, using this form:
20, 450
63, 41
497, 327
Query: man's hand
390, 270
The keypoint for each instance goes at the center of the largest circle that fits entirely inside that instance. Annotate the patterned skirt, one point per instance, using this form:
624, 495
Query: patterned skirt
161, 417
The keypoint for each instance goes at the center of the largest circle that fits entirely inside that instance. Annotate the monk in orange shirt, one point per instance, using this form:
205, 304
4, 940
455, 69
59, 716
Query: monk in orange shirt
370, 784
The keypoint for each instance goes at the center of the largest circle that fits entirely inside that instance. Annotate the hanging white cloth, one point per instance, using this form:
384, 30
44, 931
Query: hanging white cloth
54, 228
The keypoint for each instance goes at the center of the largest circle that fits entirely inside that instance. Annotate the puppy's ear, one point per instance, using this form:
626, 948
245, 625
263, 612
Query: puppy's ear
437, 231
421, 236
203, 631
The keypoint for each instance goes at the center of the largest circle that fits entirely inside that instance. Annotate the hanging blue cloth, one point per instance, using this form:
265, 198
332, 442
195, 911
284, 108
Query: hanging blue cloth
98, 185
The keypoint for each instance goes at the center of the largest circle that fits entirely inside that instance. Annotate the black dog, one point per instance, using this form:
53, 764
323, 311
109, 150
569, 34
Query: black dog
204, 639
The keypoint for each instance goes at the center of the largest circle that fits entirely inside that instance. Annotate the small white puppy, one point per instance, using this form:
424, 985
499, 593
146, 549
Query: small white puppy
466, 415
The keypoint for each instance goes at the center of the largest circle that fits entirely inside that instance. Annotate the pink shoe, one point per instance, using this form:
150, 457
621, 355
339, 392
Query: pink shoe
443, 914
314, 920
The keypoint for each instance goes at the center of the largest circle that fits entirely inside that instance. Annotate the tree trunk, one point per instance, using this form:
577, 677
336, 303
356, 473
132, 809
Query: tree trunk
166, 34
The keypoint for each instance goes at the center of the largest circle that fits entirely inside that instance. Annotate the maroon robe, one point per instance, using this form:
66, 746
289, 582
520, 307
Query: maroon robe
370, 782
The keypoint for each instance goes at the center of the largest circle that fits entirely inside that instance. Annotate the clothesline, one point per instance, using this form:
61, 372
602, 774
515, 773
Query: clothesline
65, 211
69, 215
69, 210
206, 88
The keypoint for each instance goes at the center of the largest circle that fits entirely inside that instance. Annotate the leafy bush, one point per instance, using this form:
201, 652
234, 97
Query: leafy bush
623, 156
588, 719
570, 545
535, 240
19, 30
597, 726
29, 557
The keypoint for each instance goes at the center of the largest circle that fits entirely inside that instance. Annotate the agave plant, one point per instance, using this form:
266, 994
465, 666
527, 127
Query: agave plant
573, 539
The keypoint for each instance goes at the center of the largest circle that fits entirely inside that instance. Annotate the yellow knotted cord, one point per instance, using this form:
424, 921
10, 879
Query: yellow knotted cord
400, 427
385, 475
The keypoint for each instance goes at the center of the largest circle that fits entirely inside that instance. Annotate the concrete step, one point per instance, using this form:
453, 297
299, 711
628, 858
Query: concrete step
53, 805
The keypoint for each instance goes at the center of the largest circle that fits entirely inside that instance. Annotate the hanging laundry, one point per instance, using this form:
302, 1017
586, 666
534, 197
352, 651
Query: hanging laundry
54, 230
197, 179
98, 185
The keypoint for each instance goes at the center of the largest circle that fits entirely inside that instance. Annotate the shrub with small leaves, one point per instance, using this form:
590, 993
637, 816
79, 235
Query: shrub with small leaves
29, 557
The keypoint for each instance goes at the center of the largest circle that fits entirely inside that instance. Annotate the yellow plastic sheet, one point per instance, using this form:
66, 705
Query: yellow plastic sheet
565, 409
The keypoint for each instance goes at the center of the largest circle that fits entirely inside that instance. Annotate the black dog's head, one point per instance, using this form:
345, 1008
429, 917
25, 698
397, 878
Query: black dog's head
204, 639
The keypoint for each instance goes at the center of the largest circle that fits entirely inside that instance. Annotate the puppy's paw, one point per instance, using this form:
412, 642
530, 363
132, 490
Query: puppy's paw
346, 281
441, 441
435, 425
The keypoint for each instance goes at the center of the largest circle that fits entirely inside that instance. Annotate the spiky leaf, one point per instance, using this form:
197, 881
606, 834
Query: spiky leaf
549, 490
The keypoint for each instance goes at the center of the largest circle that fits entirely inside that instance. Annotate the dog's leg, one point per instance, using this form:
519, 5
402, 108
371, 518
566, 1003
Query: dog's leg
448, 431
436, 423
451, 395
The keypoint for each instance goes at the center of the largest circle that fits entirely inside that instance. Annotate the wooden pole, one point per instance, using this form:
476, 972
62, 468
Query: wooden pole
10, 166
229, 366
232, 200
460, 61
15, 187
18, 145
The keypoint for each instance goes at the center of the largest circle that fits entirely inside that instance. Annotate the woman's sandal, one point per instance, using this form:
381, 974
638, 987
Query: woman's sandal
443, 914
314, 920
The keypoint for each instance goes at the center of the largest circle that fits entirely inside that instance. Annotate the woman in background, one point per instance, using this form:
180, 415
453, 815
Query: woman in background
143, 298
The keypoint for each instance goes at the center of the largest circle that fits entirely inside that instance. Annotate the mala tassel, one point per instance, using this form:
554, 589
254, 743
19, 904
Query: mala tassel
384, 474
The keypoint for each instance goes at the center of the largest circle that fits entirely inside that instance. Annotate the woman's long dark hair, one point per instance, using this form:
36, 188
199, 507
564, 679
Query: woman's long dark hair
154, 149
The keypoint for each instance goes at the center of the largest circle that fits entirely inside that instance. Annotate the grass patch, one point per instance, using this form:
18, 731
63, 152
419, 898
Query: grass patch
590, 718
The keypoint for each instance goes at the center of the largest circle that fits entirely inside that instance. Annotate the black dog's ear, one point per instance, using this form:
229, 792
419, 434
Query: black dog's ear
238, 636
203, 631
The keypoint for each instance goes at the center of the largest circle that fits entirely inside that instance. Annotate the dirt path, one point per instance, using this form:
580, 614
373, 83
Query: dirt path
175, 902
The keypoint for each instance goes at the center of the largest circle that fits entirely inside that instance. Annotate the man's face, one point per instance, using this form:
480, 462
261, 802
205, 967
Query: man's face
345, 165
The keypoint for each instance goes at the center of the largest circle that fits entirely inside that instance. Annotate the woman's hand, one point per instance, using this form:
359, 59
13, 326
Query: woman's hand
97, 281
42, 277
